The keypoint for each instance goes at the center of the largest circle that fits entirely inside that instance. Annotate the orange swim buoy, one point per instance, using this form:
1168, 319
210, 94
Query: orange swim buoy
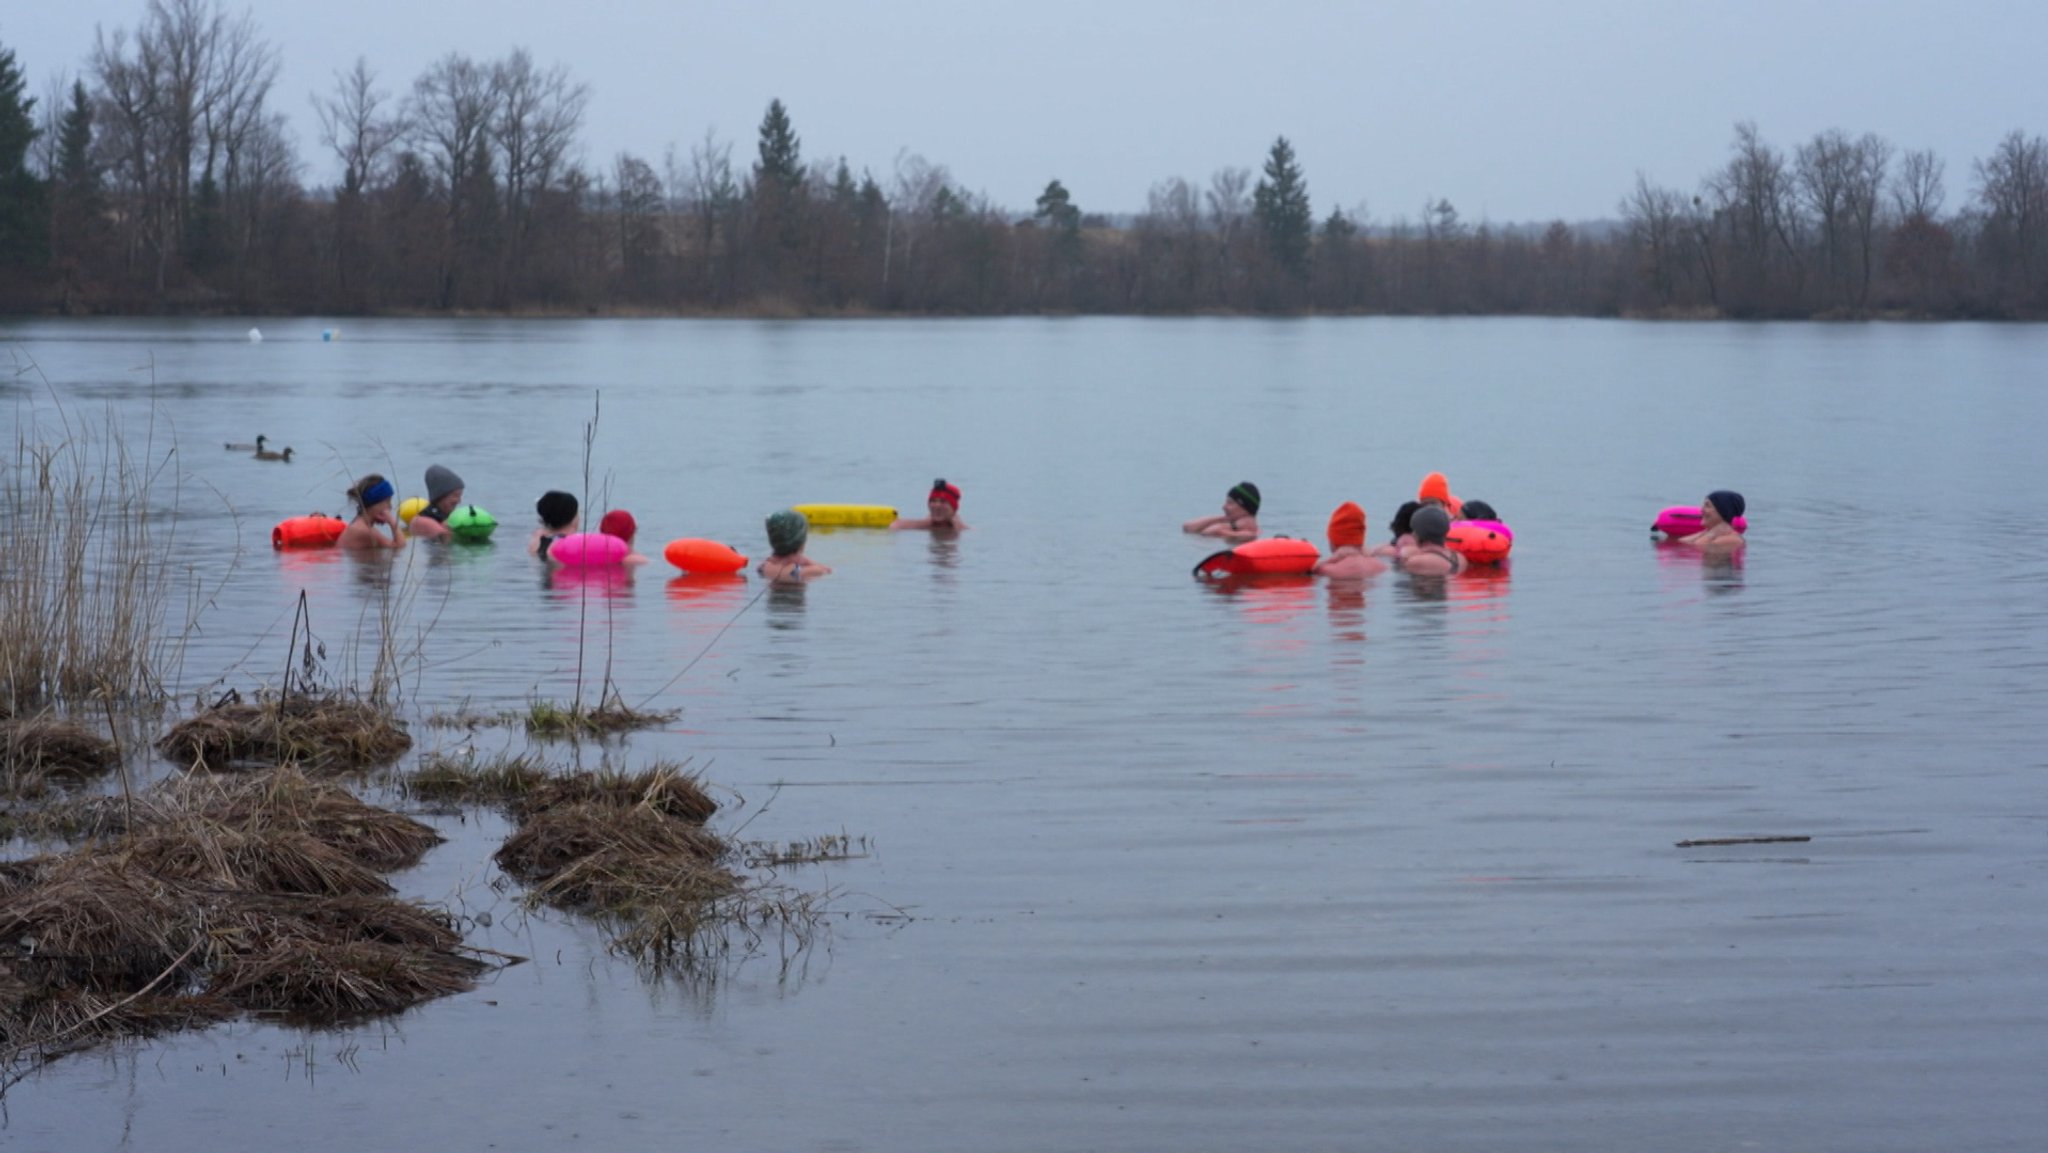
1480, 541
316, 530
695, 555
1274, 555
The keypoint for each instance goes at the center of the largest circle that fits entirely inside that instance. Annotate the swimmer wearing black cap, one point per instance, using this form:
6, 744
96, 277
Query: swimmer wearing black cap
1716, 514
1240, 519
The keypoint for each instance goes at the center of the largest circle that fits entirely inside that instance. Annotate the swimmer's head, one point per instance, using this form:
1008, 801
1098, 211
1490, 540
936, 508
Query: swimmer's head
1477, 510
1245, 495
1347, 526
1430, 524
1400, 524
619, 523
557, 509
1726, 505
787, 531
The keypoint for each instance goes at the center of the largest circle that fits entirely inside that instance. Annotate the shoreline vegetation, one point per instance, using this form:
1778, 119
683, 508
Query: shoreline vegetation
145, 190
173, 869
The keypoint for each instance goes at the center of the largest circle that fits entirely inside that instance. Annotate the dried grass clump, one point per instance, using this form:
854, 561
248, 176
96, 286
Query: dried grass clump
333, 734
287, 800
502, 780
665, 788
257, 894
35, 750
553, 842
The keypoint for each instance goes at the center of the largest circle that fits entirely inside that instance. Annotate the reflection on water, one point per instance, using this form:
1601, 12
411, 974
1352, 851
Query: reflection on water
602, 582
786, 603
1719, 572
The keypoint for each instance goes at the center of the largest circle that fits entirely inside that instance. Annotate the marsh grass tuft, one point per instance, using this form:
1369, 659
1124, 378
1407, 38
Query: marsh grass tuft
500, 780
333, 733
631, 851
34, 751
548, 719
219, 896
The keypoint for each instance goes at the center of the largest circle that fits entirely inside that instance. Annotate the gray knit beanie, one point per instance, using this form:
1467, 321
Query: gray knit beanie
441, 482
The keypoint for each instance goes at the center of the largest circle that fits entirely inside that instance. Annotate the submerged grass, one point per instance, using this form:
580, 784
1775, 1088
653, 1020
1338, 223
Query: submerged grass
549, 719
333, 733
499, 780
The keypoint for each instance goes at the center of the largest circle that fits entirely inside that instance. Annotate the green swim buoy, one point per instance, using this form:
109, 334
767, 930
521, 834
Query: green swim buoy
470, 523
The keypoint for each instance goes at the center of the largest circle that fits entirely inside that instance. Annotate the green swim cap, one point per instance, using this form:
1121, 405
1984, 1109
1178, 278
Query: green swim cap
787, 531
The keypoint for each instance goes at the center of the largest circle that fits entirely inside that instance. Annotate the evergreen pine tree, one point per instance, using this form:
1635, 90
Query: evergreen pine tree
781, 153
1280, 204
24, 226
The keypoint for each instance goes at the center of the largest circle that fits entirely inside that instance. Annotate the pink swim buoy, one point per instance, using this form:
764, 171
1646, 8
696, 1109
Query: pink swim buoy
1684, 520
587, 550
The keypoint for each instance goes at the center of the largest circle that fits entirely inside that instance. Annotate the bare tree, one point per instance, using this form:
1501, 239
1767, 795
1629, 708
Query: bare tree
1918, 190
355, 125
447, 118
2012, 185
1657, 230
534, 121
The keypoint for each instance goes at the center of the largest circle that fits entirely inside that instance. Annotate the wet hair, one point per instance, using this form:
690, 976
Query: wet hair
1478, 510
556, 509
1402, 517
371, 490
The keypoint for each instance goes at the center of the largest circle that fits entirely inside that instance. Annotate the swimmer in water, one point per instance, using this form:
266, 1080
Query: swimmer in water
558, 518
444, 495
1240, 519
1429, 556
787, 532
620, 523
1348, 559
1716, 533
1404, 536
942, 510
372, 497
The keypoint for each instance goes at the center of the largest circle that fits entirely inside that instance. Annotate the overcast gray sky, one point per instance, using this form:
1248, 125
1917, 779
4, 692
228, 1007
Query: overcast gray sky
1513, 111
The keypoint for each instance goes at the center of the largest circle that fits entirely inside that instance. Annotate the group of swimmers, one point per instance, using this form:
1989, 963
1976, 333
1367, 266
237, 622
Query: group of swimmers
1419, 528
375, 524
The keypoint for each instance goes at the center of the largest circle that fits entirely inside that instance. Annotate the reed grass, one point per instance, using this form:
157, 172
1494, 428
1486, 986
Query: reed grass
85, 577
499, 780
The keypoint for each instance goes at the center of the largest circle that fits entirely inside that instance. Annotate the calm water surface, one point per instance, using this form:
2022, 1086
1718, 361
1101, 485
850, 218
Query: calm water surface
1291, 866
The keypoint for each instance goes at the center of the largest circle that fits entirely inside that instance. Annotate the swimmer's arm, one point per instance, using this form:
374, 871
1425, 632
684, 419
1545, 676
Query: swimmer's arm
901, 524
1248, 530
1202, 524
427, 528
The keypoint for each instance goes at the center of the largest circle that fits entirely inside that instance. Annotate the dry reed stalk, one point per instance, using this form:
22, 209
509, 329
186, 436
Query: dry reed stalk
287, 800
84, 581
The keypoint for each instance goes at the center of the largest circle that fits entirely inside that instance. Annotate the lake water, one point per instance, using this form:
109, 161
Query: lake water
1287, 866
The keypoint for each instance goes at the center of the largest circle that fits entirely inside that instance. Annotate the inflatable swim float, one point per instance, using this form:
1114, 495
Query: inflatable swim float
1276, 555
587, 550
317, 530
694, 555
470, 523
847, 515
1684, 520
410, 507
1480, 541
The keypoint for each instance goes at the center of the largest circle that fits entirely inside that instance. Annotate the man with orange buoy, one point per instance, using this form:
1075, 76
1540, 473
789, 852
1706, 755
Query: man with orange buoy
1429, 555
558, 518
942, 510
787, 532
1347, 559
372, 498
620, 523
444, 495
1240, 519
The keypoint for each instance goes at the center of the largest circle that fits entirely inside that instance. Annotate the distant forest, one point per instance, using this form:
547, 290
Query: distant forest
166, 181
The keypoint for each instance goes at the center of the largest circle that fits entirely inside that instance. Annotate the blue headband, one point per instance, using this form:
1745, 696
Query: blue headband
377, 494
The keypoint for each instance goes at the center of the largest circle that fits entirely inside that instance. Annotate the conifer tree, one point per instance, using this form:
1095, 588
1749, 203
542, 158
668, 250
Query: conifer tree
24, 227
1280, 205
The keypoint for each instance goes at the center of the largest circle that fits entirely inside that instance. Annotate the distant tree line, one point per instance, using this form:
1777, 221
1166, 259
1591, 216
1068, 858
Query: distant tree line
165, 180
